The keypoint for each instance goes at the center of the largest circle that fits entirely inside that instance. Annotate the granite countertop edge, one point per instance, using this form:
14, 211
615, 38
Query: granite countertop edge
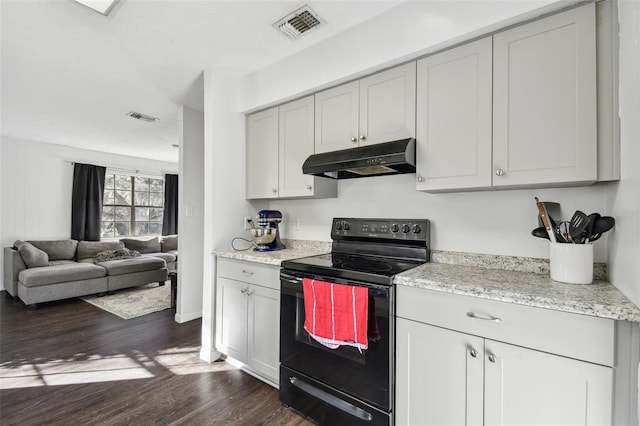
483, 276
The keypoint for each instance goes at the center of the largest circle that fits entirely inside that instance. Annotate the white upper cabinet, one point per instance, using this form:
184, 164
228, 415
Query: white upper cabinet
379, 108
279, 140
454, 118
295, 145
262, 154
337, 118
388, 105
544, 94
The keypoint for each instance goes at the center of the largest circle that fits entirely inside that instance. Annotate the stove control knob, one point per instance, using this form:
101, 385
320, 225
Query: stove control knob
338, 226
395, 228
405, 228
416, 229
346, 226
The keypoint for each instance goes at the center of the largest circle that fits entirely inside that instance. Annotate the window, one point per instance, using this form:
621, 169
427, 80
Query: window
132, 206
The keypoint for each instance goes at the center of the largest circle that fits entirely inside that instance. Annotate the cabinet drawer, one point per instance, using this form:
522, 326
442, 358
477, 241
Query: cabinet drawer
249, 272
577, 336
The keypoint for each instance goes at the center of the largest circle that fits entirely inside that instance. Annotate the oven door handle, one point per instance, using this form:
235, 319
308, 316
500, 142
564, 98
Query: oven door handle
290, 278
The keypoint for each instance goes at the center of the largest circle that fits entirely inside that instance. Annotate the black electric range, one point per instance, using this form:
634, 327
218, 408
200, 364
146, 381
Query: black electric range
346, 385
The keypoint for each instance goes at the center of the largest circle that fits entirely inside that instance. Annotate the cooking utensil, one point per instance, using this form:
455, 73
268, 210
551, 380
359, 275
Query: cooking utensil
601, 225
540, 232
588, 232
577, 225
545, 220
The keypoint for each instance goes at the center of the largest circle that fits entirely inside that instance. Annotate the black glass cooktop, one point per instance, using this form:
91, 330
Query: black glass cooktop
348, 266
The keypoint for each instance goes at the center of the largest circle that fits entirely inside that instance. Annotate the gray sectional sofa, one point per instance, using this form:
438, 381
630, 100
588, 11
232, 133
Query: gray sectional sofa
43, 271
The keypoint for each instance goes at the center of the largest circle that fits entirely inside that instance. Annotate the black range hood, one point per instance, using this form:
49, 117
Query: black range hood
389, 158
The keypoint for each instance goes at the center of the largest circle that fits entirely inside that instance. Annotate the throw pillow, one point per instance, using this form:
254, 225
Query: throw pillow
143, 246
32, 256
169, 243
58, 249
88, 249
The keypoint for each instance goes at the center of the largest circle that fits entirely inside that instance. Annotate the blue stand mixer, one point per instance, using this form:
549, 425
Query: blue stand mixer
266, 236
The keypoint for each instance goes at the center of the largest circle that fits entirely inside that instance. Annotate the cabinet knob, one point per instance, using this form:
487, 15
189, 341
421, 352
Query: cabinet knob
309, 187
362, 137
473, 353
244, 290
492, 358
420, 179
274, 190
354, 139
499, 172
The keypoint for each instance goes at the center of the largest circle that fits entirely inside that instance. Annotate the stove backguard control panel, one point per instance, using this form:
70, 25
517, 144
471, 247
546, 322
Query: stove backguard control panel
394, 229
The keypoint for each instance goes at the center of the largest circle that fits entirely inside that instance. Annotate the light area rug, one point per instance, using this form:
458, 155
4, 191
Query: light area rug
134, 302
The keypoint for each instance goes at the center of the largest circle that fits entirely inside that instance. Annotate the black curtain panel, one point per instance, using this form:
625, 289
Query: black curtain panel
170, 216
86, 202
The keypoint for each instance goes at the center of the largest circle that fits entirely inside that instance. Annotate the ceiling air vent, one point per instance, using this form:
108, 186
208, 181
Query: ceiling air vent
298, 22
142, 117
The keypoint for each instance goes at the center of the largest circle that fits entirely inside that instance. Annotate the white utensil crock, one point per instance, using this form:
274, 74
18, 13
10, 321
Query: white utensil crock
571, 263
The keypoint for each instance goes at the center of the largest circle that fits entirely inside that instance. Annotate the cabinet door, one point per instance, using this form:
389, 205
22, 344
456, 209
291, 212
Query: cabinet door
528, 387
262, 154
388, 105
454, 118
264, 331
438, 379
337, 118
296, 143
231, 318
544, 81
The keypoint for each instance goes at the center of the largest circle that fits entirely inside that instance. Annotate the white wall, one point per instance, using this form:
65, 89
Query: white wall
36, 181
624, 256
191, 214
224, 187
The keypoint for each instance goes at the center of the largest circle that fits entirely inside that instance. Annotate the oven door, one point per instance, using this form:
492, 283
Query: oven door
364, 375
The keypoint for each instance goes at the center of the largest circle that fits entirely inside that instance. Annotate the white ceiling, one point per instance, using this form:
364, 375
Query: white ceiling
69, 75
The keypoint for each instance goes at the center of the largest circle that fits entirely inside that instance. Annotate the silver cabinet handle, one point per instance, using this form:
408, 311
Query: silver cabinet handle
354, 139
244, 290
499, 172
362, 137
249, 292
492, 358
473, 353
309, 187
482, 317
247, 272
420, 179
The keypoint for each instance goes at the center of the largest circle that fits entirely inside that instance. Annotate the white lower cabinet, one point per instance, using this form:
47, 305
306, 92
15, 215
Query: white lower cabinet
446, 376
248, 316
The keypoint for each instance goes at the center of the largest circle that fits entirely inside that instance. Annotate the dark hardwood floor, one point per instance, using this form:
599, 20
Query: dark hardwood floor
70, 363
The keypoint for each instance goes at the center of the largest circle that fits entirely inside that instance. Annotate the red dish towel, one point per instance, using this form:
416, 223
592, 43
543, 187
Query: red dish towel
336, 314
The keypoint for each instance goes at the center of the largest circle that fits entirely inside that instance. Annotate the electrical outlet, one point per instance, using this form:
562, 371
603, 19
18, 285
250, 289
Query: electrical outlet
246, 223
296, 224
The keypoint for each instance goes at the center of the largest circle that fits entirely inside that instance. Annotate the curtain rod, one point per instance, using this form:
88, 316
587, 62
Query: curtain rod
129, 171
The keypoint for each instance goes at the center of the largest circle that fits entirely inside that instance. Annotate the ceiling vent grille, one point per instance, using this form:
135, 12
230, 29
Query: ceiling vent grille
298, 22
142, 117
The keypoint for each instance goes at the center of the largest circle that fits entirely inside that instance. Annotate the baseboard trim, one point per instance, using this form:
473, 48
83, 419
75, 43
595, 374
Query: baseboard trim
180, 318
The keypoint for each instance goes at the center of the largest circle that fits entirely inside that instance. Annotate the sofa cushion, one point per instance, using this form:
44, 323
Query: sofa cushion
58, 249
60, 274
167, 257
88, 249
173, 252
136, 264
170, 242
32, 256
142, 246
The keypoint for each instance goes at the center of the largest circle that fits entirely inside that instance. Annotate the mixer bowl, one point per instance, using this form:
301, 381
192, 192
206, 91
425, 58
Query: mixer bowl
263, 236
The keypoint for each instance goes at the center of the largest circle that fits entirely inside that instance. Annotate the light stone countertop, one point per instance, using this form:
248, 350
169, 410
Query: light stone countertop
600, 299
294, 250
523, 281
